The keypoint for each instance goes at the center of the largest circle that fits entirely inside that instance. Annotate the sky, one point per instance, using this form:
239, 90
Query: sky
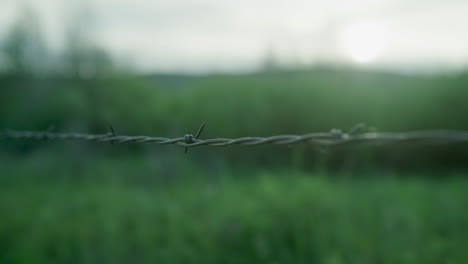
237, 36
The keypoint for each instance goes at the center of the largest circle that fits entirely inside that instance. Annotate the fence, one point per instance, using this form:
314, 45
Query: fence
331, 138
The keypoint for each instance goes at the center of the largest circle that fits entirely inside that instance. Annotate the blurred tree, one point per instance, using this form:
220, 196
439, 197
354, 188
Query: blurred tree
24, 48
83, 58
86, 62
271, 61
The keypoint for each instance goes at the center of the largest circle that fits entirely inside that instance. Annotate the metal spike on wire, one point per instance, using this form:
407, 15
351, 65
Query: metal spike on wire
332, 138
189, 137
112, 133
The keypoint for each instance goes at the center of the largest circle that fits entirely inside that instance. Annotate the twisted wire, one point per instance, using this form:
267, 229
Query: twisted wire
334, 137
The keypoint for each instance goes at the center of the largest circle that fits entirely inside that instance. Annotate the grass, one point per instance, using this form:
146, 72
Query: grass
261, 104
265, 217
65, 203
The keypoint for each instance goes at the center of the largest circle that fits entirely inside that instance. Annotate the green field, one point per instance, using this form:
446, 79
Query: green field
260, 104
84, 202
100, 212
80, 202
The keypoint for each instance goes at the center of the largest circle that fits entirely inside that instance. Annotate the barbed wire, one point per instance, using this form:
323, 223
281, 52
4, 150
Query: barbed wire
334, 137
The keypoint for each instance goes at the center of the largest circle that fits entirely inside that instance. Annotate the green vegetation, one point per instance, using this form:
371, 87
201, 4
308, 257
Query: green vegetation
82, 202
260, 104
79, 202
267, 103
104, 213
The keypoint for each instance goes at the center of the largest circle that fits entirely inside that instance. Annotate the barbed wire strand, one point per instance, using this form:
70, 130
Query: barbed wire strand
334, 137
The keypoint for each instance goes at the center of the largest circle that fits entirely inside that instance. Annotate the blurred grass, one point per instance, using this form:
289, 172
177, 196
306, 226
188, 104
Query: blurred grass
261, 104
266, 103
79, 202
108, 212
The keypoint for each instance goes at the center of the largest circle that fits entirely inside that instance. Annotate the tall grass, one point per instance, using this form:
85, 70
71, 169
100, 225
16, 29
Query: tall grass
102, 215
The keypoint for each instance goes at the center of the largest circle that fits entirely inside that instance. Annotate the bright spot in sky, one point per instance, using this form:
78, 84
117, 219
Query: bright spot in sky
363, 41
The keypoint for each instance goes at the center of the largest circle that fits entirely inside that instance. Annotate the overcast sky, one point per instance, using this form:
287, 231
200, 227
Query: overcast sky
222, 35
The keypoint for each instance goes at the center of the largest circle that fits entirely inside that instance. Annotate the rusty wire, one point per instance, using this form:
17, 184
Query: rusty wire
334, 137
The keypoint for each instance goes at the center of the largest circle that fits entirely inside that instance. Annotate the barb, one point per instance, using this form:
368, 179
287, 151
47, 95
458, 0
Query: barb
355, 129
332, 138
189, 137
112, 133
